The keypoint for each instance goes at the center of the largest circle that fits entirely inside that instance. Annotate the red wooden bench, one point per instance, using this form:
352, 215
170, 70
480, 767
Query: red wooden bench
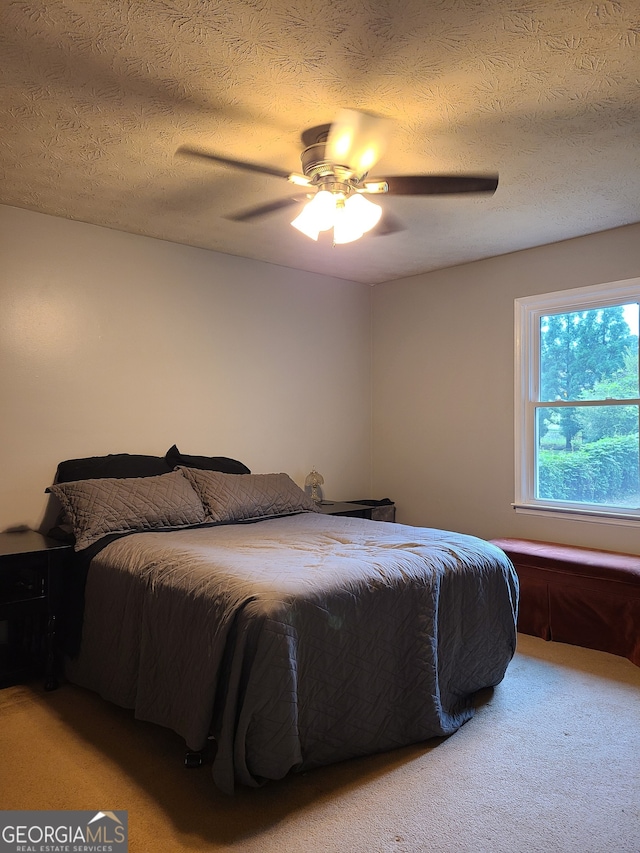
578, 595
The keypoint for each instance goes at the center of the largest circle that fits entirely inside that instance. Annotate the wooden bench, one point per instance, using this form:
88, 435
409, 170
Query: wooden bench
578, 595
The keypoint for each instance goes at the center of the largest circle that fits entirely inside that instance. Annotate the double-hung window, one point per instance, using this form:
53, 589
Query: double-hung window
577, 408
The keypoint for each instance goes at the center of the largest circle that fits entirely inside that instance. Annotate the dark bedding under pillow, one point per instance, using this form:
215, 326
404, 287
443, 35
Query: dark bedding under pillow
123, 465
126, 465
223, 464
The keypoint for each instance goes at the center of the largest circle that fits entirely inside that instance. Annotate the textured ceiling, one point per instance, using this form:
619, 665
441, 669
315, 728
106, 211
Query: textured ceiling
97, 95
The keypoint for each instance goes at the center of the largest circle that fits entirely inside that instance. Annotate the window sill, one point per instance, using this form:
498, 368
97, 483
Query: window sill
598, 516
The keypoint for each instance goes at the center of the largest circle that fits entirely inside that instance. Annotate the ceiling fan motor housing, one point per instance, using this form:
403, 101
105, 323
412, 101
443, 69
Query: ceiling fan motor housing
325, 174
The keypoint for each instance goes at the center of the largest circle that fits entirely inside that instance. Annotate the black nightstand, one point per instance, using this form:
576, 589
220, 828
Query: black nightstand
384, 510
30, 573
345, 508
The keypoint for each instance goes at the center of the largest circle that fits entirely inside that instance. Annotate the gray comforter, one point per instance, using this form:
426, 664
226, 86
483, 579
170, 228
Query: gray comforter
297, 641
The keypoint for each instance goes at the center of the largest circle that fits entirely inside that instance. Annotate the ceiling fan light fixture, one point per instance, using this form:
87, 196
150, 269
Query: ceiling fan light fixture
345, 228
365, 212
305, 225
336, 161
354, 218
318, 215
350, 218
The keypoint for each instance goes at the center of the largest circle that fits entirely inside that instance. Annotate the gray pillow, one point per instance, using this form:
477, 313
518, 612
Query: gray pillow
96, 508
237, 497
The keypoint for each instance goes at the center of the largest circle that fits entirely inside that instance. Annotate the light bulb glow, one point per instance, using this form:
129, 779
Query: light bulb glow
357, 140
343, 142
345, 227
365, 212
350, 218
323, 209
366, 159
317, 215
305, 224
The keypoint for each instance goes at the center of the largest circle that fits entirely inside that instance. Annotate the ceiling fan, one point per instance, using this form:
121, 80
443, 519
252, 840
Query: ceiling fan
336, 161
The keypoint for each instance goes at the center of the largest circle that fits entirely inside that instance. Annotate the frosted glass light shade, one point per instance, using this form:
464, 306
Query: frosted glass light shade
367, 213
358, 216
318, 215
346, 228
350, 218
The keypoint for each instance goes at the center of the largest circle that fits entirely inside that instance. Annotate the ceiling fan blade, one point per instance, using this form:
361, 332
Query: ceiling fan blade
263, 209
357, 140
435, 184
185, 150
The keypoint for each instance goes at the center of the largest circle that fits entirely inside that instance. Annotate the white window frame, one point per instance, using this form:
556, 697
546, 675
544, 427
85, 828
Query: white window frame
528, 311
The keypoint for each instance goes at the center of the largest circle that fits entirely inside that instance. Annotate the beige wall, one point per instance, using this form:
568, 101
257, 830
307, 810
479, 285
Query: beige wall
112, 343
115, 343
443, 387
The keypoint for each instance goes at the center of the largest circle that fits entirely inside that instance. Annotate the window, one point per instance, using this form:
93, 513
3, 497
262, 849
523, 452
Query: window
578, 402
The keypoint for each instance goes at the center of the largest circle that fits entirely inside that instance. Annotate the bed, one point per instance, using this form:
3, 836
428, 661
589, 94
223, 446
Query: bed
230, 609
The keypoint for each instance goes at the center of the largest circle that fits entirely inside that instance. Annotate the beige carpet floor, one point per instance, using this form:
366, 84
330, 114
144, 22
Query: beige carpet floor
550, 763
